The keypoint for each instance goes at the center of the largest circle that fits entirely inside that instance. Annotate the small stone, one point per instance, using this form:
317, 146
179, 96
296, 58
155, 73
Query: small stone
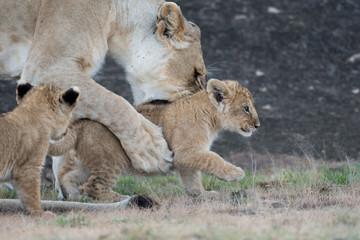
267, 107
276, 205
263, 89
259, 73
249, 211
238, 196
240, 17
273, 10
355, 91
354, 58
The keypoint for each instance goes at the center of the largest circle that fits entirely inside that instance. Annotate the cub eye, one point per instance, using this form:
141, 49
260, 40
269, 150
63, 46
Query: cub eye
247, 110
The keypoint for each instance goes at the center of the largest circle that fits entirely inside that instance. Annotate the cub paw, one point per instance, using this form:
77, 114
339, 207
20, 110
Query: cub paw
233, 174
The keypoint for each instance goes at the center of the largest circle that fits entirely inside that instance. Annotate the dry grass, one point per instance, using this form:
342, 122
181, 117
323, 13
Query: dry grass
321, 203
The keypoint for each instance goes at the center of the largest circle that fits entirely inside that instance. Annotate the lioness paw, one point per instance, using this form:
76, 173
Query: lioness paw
150, 153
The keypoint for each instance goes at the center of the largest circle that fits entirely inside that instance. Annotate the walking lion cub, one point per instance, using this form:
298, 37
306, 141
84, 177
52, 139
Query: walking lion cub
93, 156
43, 113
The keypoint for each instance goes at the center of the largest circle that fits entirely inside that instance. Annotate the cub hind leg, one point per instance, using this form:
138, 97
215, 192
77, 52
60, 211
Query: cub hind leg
99, 186
71, 176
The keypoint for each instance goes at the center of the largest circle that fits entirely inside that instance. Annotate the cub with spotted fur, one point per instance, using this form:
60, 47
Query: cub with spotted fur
43, 113
92, 155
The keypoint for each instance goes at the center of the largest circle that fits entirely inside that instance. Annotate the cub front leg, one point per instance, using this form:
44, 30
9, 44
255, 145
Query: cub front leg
27, 185
209, 162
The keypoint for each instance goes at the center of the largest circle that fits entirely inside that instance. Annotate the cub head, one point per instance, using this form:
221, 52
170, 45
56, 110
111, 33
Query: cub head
182, 39
235, 106
55, 106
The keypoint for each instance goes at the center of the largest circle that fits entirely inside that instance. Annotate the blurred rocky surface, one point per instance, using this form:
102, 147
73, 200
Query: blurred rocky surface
300, 59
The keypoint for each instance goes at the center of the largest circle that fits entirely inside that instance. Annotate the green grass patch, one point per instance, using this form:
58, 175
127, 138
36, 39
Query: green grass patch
8, 193
170, 185
163, 186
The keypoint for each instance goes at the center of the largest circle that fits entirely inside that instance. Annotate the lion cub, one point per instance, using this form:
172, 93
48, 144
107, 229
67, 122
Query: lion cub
43, 113
93, 155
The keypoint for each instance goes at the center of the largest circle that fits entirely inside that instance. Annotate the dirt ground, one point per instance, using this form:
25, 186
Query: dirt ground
304, 215
299, 60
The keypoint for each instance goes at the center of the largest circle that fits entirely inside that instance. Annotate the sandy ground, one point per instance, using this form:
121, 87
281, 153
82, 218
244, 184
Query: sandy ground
298, 215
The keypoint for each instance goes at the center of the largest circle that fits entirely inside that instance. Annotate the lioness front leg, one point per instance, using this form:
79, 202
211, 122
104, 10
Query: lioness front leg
192, 182
209, 162
27, 185
142, 141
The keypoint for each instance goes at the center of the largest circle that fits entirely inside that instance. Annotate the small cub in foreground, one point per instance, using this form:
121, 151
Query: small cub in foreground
43, 113
93, 155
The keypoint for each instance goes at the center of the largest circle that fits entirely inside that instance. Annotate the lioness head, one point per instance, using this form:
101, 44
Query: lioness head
182, 38
235, 106
160, 51
57, 105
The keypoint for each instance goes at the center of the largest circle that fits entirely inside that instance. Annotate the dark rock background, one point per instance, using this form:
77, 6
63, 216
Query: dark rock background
299, 60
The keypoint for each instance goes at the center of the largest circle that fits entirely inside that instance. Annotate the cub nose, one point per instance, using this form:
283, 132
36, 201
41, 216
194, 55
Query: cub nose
256, 125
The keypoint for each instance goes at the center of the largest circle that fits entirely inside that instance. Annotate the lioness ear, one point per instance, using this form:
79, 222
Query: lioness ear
21, 90
170, 25
70, 96
217, 91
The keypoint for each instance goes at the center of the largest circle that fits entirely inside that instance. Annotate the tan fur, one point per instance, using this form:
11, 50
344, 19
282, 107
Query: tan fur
189, 125
24, 140
64, 42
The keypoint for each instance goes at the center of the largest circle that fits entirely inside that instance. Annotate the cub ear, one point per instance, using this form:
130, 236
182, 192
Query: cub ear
21, 90
70, 96
170, 25
217, 91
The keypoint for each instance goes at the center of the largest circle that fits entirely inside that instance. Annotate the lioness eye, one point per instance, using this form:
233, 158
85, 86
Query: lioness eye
199, 80
246, 109
196, 74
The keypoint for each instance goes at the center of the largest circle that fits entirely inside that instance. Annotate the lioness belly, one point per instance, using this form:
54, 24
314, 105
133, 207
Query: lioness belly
17, 25
12, 58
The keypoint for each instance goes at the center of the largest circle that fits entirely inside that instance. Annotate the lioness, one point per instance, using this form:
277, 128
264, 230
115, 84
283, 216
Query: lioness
93, 155
43, 113
64, 42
